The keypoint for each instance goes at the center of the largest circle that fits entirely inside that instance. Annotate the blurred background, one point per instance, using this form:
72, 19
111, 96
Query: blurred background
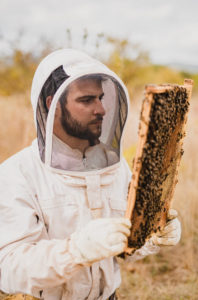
143, 42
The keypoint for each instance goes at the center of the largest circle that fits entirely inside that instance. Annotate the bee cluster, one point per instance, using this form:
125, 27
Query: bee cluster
161, 150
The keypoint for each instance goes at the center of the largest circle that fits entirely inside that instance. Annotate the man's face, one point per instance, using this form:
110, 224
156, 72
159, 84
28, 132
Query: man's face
83, 112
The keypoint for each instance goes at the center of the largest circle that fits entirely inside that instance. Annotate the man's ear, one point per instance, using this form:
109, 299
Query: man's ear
49, 101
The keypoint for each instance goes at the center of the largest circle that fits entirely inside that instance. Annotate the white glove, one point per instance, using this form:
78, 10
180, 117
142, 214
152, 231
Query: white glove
171, 234
99, 239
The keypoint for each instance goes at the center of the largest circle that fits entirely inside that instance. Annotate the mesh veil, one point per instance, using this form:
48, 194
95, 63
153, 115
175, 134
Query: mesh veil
115, 104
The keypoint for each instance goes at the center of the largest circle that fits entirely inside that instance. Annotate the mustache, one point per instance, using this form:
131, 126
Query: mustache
98, 118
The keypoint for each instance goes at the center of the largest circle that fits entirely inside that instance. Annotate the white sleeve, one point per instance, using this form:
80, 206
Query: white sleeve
29, 261
148, 249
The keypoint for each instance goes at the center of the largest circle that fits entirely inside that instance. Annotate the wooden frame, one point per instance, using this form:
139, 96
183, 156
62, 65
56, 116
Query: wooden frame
155, 167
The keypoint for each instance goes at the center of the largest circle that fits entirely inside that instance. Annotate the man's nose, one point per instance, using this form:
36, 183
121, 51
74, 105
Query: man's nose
99, 108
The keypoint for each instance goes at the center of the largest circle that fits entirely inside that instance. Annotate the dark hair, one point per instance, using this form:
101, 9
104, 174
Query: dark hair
54, 81
51, 85
96, 77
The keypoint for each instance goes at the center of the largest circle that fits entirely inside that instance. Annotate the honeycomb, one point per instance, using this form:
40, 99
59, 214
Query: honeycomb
161, 132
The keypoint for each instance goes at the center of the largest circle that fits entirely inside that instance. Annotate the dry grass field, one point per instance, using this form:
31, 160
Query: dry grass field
173, 273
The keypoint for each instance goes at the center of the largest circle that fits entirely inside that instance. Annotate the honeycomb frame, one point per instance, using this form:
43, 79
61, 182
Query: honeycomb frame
155, 167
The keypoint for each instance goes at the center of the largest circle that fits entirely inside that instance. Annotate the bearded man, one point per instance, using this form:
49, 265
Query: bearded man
63, 199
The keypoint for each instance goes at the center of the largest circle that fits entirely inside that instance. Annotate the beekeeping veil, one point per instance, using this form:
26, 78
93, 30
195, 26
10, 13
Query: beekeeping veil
53, 77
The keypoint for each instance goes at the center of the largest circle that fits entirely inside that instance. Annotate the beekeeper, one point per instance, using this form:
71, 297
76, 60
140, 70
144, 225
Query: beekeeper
63, 198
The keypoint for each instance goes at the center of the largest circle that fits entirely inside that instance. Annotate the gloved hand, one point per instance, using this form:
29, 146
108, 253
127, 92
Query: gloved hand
171, 234
99, 239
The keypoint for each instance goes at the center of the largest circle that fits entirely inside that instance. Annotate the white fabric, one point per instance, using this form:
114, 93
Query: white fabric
95, 157
99, 239
66, 57
39, 212
42, 207
170, 235
149, 248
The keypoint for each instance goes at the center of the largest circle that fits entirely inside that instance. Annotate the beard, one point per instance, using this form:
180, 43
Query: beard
74, 128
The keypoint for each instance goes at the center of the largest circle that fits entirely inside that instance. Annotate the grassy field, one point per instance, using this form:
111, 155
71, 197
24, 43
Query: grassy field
173, 273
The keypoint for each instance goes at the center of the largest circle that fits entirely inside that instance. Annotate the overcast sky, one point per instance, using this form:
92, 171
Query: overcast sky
168, 30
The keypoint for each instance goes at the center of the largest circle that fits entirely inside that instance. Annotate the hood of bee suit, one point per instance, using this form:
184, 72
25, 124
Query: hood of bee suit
54, 153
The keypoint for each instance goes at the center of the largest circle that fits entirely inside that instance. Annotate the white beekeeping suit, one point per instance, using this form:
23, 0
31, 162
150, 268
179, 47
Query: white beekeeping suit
49, 192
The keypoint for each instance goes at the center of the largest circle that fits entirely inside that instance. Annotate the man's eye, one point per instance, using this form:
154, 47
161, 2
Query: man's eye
101, 97
88, 100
